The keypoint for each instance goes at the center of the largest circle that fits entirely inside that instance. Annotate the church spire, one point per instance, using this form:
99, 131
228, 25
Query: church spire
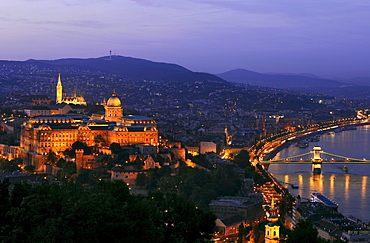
59, 94
272, 230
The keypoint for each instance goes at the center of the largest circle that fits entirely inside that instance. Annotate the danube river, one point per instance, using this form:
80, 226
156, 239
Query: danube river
351, 191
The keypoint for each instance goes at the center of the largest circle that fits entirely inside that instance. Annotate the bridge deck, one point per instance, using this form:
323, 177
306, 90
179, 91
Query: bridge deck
310, 162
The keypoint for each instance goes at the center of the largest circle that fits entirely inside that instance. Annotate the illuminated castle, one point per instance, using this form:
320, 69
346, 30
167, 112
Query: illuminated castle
42, 134
76, 100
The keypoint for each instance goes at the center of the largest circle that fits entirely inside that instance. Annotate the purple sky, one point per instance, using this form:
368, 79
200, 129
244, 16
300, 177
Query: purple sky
325, 37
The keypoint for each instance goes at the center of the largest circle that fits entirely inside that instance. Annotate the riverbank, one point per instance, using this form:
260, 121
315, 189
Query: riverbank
350, 190
273, 153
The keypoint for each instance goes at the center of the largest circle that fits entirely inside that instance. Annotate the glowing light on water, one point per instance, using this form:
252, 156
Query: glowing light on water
364, 187
346, 187
332, 182
286, 178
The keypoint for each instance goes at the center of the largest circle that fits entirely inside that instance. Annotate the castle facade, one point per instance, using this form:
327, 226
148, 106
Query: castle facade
43, 134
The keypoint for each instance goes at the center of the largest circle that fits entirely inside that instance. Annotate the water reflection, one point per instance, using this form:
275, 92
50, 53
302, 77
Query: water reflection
316, 183
332, 182
346, 187
363, 187
286, 178
348, 190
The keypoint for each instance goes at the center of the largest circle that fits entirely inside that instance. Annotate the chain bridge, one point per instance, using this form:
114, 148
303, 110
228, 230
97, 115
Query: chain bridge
316, 158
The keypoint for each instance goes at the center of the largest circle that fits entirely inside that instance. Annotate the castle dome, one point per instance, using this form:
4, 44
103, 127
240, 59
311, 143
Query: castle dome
114, 101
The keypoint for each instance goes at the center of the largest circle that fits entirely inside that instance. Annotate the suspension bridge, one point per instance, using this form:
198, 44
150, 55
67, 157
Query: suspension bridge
316, 158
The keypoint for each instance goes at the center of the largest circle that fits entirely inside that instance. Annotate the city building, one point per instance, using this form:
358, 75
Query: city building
38, 111
230, 225
76, 100
330, 224
43, 134
250, 208
206, 147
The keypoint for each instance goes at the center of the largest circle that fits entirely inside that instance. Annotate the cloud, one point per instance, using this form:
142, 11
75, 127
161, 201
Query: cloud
79, 23
291, 8
144, 2
82, 2
71, 2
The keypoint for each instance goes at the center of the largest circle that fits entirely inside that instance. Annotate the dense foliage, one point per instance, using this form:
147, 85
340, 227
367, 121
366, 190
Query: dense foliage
197, 185
305, 232
243, 161
9, 165
106, 212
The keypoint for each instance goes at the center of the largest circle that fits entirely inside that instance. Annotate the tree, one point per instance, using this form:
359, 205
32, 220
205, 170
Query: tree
180, 220
78, 145
4, 199
100, 141
20, 191
67, 171
241, 234
123, 156
11, 140
141, 180
242, 159
255, 234
9, 165
52, 158
115, 148
106, 161
304, 232
60, 163
29, 169
104, 212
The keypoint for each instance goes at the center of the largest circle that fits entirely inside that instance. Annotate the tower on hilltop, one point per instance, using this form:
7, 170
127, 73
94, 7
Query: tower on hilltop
59, 95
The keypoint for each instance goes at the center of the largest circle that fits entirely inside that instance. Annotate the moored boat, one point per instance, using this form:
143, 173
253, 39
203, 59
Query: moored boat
318, 197
314, 139
344, 169
302, 144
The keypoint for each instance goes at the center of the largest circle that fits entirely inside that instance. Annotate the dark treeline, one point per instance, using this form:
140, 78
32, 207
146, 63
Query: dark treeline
105, 212
197, 185
201, 186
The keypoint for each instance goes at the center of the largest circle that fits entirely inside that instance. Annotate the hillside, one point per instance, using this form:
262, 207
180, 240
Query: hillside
282, 81
136, 69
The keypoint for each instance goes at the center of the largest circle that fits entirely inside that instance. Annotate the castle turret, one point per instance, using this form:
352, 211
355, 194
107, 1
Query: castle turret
79, 159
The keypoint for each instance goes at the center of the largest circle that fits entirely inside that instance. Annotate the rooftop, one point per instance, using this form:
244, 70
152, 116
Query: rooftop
236, 201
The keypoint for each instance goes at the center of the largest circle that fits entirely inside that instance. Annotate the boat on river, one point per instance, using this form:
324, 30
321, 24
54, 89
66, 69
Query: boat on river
345, 169
302, 144
318, 197
314, 139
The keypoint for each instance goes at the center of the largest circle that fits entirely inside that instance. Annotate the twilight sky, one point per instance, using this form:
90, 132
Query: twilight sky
325, 37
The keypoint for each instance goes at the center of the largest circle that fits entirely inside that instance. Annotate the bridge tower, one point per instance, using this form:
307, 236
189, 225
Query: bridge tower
317, 160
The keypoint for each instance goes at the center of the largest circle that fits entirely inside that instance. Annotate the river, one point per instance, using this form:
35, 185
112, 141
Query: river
351, 191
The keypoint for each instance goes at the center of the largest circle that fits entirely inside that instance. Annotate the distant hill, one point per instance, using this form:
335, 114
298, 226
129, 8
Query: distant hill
136, 69
281, 81
362, 81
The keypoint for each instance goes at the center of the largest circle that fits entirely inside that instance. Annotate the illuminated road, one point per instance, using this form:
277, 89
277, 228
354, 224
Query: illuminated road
266, 146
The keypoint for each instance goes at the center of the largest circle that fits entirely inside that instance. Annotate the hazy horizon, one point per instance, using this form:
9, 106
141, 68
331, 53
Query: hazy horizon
328, 39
